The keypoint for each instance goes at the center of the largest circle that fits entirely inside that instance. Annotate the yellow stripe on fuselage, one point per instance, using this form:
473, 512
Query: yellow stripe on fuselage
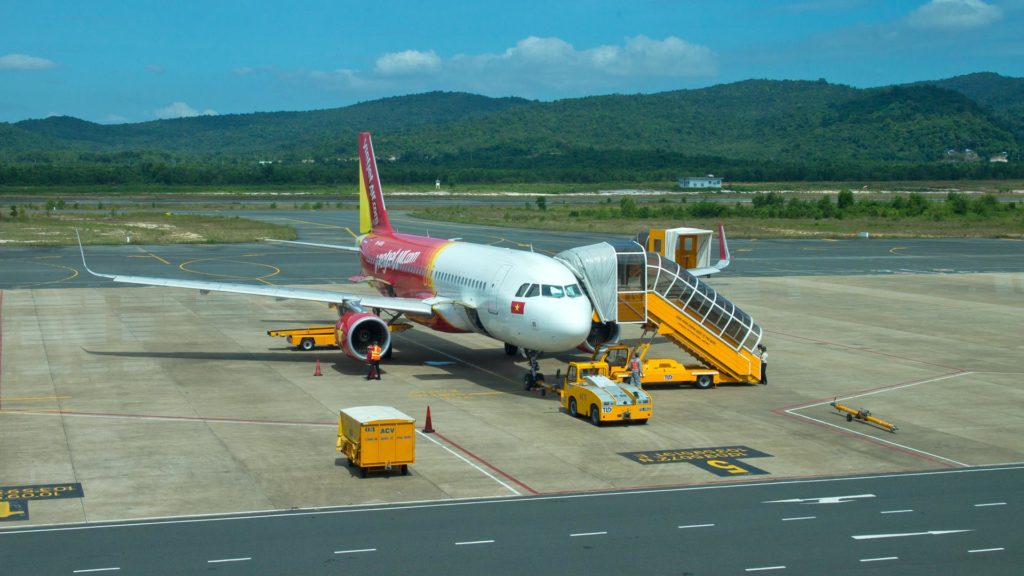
365, 225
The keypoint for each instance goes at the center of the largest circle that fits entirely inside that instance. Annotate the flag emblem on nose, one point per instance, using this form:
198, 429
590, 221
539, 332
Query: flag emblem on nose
518, 307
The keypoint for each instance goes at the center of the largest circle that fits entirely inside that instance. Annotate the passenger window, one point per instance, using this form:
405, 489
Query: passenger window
533, 291
552, 291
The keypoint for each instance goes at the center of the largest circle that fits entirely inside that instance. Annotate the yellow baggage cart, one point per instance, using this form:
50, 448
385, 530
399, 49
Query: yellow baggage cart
377, 438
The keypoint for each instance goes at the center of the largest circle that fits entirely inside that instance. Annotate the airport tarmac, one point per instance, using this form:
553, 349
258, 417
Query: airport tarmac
165, 402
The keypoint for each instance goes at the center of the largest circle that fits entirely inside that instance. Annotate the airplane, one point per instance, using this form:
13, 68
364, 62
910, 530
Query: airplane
531, 302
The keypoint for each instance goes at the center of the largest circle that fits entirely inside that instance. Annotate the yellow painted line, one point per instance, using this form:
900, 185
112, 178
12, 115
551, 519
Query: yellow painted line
148, 254
894, 249
264, 281
74, 274
184, 267
31, 398
47, 257
349, 230
320, 224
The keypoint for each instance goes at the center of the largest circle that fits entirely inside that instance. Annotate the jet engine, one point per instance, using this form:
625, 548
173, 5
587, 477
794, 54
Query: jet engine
355, 331
600, 333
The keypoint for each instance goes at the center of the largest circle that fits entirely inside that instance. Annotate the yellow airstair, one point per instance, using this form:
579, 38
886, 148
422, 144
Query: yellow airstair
653, 290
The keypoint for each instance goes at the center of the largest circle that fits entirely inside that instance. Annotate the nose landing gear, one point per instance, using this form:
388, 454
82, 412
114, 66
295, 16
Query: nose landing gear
534, 378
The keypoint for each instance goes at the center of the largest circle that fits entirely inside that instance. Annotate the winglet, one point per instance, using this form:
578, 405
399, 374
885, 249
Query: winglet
84, 265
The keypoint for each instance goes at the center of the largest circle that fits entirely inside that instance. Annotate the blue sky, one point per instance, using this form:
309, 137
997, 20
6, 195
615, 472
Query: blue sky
131, 61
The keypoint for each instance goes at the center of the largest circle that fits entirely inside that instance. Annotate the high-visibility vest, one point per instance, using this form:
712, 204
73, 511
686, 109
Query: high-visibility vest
374, 353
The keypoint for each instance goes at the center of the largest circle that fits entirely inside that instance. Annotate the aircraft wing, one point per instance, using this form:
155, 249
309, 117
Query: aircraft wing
409, 305
315, 244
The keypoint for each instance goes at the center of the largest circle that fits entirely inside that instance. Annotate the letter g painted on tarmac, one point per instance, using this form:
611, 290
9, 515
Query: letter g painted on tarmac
727, 466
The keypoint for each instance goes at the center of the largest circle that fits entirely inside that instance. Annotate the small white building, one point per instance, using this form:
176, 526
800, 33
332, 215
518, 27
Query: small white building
709, 181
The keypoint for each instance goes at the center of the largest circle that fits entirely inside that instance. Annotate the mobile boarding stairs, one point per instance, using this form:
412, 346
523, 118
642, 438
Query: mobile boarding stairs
629, 285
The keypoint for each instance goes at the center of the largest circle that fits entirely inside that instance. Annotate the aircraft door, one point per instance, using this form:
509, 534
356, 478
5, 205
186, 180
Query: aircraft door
495, 288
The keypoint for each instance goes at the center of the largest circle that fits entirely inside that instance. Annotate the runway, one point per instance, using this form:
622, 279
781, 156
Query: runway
945, 522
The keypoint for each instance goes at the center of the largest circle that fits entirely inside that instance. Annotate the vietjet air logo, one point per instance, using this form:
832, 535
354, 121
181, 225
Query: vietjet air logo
518, 307
394, 258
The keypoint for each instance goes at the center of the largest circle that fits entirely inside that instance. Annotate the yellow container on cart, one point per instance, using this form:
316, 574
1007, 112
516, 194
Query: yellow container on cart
377, 438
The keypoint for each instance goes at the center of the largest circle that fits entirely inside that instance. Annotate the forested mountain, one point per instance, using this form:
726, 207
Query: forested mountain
752, 129
1003, 96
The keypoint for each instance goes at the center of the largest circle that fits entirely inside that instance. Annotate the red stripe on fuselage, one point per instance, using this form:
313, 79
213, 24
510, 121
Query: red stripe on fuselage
402, 264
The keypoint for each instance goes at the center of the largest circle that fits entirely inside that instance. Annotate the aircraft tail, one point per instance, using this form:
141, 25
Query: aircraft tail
373, 216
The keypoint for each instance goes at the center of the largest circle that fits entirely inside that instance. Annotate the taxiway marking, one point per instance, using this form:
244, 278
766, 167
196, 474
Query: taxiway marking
904, 534
698, 526
822, 500
979, 550
227, 560
355, 551
882, 559
764, 568
579, 534
474, 542
111, 569
895, 511
990, 504
799, 518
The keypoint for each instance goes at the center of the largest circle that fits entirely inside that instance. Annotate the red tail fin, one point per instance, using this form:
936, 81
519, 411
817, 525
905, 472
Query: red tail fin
373, 216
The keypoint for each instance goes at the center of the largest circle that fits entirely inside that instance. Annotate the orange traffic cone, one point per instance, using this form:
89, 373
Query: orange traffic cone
317, 372
428, 428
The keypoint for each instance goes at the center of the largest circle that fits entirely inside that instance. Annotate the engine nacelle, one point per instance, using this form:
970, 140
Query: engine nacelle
355, 331
600, 333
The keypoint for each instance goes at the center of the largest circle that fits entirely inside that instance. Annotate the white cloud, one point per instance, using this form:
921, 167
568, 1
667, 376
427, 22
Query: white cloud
543, 63
181, 110
533, 67
24, 62
408, 62
954, 14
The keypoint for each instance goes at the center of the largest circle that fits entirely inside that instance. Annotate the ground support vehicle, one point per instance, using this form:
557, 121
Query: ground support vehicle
654, 370
377, 438
309, 337
602, 400
316, 336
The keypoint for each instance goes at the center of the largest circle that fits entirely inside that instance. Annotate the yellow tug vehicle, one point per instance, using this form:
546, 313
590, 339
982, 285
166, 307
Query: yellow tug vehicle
587, 391
654, 371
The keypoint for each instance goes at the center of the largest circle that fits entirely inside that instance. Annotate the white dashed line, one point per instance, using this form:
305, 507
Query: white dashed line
799, 518
985, 550
990, 504
587, 534
698, 526
474, 542
118, 568
765, 568
355, 551
882, 559
895, 511
227, 560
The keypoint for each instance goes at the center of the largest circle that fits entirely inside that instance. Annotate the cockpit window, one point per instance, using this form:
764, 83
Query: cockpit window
573, 291
533, 291
522, 290
552, 291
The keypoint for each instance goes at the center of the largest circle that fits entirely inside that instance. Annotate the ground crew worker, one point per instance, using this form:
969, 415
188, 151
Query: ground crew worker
373, 354
635, 373
764, 363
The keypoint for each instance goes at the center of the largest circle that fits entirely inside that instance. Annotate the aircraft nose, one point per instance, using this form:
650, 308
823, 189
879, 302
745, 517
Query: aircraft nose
573, 324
